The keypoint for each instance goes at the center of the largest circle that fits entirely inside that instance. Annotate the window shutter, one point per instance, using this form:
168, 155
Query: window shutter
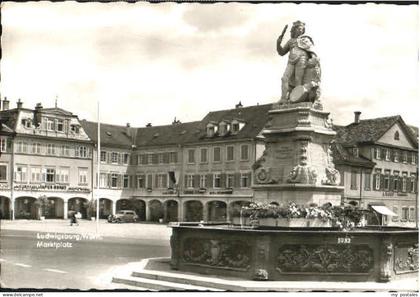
119, 177
185, 181
237, 180
409, 159
196, 181
149, 181
374, 182
381, 187
223, 180
406, 184
249, 179
209, 180
166, 158
383, 154
165, 180
108, 180
399, 184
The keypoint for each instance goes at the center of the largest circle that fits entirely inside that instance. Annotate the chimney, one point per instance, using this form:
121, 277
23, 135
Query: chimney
239, 105
37, 114
5, 103
127, 129
19, 104
357, 117
149, 125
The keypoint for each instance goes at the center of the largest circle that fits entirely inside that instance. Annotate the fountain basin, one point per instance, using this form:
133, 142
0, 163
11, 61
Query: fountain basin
377, 254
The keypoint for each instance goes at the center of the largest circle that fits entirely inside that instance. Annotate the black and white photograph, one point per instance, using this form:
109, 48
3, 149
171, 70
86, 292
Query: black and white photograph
209, 147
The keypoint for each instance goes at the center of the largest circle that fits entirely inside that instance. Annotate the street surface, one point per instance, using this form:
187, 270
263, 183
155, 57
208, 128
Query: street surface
52, 254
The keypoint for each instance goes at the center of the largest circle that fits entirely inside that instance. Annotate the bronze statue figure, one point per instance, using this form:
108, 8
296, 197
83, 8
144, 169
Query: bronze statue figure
301, 79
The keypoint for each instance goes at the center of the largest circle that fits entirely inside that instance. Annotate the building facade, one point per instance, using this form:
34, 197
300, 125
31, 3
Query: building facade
378, 159
184, 171
50, 158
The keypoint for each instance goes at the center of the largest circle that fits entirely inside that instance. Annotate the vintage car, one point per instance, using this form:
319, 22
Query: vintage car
123, 216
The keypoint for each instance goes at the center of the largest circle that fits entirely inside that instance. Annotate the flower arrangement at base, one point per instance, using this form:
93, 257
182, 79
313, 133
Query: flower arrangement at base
343, 216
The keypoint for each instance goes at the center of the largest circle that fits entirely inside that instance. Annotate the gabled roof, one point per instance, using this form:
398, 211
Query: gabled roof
369, 131
9, 118
174, 134
254, 117
57, 111
111, 135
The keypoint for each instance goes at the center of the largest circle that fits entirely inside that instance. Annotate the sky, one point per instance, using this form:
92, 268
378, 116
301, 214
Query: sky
149, 63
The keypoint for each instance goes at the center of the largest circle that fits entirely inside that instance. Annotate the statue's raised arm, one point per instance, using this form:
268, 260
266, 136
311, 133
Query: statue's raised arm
301, 79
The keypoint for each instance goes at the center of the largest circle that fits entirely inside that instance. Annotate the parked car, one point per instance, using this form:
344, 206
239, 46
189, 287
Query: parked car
123, 216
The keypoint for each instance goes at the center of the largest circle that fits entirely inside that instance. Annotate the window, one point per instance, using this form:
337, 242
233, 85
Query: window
142, 159
216, 180
74, 128
125, 158
413, 157
216, 154
36, 148
396, 156
141, 182
160, 158
20, 173
114, 157
162, 181
378, 153
190, 181
355, 152
3, 172
244, 152
378, 180
367, 181
396, 135
387, 155
245, 179
404, 214
230, 153
353, 180
50, 124
222, 128
395, 210
103, 156
63, 175
173, 157
235, 127
60, 125
412, 214
210, 130
191, 156
83, 176
50, 175
404, 182
114, 180
21, 147
229, 180
50, 149
202, 181
413, 183
387, 180
82, 151
36, 175
203, 154
126, 181
154, 158
396, 182
149, 159
103, 180
405, 157
3, 145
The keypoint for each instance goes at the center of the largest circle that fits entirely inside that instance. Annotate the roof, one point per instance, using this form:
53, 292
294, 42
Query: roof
255, 117
9, 118
174, 134
111, 135
369, 131
342, 156
4, 129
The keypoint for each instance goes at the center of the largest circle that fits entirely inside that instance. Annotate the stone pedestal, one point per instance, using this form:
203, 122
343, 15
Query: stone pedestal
297, 163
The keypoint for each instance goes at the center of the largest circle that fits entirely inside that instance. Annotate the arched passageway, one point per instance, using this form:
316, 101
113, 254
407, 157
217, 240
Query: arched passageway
156, 210
105, 208
216, 211
193, 211
54, 209
171, 214
79, 205
4, 208
26, 208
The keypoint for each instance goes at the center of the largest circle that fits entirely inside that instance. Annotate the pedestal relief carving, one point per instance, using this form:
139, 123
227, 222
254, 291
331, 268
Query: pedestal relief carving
225, 254
386, 257
406, 258
332, 175
328, 258
303, 173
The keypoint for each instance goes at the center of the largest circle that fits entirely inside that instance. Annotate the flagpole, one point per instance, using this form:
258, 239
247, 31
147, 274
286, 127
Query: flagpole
98, 172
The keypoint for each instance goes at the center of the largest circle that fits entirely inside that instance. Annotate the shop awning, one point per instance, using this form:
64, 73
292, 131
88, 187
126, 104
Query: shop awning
384, 210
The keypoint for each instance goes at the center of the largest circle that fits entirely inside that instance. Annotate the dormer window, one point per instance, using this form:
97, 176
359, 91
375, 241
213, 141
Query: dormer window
27, 123
222, 128
60, 125
74, 128
236, 126
50, 124
355, 152
211, 130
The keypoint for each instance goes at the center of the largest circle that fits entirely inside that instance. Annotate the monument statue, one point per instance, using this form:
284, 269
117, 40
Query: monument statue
302, 77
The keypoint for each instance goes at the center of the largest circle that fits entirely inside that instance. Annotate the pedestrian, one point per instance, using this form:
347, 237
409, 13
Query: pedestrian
73, 219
